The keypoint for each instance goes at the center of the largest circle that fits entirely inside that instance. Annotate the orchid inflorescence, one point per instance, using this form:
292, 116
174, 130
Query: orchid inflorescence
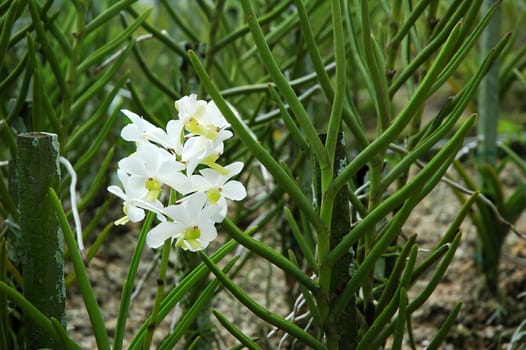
168, 159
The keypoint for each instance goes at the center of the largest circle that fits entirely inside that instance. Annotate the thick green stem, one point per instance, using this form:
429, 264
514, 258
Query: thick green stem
71, 75
42, 262
340, 332
346, 325
382, 99
283, 85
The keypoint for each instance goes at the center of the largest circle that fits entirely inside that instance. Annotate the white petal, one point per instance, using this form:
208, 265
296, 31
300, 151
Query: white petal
130, 133
171, 211
151, 155
137, 129
189, 106
234, 168
170, 166
116, 190
196, 147
134, 117
123, 177
199, 183
136, 187
135, 214
194, 204
156, 237
224, 135
217, 212
208, 232
212, 176
177, 181
191, 165
133, 165
234, 190
155, 207
174, 131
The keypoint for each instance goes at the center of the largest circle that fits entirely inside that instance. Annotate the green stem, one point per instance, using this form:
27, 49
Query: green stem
37, 317
212, 34
95, 315
128, 285
280, 175
282, 83
270, 254
337, 104
71, 75
401, 121
236, 332
331, 140
175, 295
398, 198
8, 20
260, 311
383, 102
4, 312
323, 77
161, 282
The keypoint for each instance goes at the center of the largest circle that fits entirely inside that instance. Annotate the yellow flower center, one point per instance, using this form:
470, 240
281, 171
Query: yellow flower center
154, 188
208, 131
190, 236
213, 195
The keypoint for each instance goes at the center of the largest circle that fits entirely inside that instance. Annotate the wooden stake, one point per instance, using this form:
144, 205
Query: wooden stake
42, 257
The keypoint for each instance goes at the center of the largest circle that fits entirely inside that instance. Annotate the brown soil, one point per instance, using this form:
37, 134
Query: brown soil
484, 322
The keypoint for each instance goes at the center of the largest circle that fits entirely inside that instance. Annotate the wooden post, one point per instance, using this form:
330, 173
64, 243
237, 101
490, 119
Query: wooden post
37, 168
488, 249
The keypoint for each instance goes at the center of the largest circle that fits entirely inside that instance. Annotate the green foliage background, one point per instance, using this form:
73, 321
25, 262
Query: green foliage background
369, 69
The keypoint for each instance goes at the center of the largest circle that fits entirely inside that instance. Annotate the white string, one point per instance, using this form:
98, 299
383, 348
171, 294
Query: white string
73, 199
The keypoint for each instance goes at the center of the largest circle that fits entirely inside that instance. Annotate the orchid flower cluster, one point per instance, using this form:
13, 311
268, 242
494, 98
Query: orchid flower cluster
183, 158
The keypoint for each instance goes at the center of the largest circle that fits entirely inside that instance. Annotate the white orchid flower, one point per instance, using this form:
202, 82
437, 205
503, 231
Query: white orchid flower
190, 109
142, 131
218, 188
134, 198
201, 150
155, 166
169, 158
215, 117
192, 227
174, 133
200, 118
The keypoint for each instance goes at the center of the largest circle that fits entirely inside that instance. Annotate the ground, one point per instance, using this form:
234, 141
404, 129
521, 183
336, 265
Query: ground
483, 323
